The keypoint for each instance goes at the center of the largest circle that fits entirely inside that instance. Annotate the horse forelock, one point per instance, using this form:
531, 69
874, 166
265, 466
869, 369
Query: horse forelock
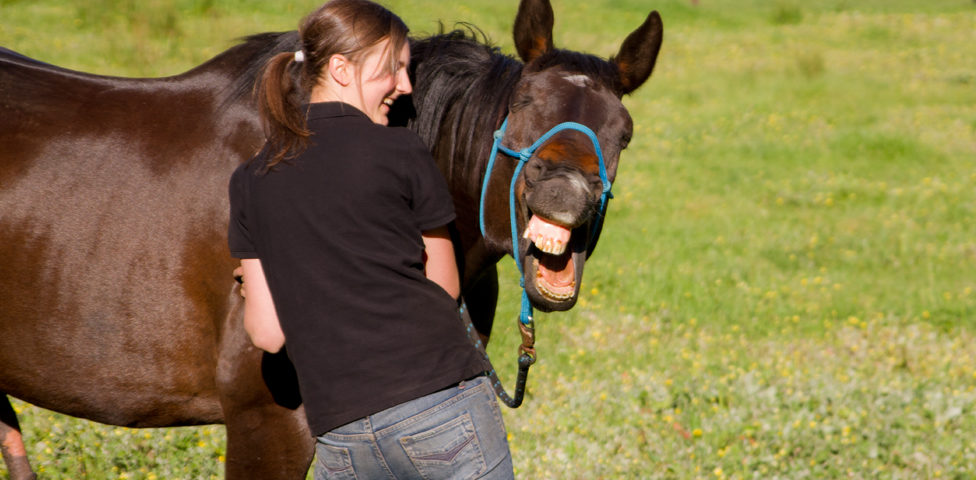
602, 71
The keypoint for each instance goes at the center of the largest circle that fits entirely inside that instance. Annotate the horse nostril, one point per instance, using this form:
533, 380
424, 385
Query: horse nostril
534, 169
561, 197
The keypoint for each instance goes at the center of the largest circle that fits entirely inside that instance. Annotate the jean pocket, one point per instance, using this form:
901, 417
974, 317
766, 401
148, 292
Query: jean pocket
450, 450
334, 463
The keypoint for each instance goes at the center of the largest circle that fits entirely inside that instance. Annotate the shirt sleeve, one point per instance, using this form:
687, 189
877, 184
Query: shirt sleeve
238, 235
431, 199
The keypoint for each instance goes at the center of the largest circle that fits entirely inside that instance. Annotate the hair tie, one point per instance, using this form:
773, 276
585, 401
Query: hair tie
299, 56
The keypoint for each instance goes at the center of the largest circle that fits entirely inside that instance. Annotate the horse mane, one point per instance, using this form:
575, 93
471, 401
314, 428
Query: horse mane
462, 87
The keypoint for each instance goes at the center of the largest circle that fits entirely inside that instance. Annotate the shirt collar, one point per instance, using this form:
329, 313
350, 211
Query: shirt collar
333, 109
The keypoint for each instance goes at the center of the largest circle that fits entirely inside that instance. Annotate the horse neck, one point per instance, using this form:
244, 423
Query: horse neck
461, 95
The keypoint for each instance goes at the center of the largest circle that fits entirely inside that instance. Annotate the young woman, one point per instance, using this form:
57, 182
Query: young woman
341, 227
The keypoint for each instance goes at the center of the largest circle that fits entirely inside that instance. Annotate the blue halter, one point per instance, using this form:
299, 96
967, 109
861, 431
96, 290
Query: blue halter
525, 317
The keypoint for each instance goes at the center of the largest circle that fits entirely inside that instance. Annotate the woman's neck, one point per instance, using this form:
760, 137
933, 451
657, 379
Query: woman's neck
322, 93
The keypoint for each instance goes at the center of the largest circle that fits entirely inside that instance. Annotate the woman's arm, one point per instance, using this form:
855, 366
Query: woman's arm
440, 265
260, 317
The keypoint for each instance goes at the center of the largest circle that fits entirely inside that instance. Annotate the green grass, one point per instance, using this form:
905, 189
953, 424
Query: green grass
785, 284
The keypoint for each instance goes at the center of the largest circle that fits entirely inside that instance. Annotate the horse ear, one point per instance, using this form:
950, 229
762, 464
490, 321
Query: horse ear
639, 53
533, 29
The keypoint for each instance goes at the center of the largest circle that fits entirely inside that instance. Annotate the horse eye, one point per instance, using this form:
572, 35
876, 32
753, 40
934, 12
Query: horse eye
521, 102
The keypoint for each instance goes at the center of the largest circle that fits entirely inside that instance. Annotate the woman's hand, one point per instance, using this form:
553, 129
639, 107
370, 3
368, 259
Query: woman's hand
239, 278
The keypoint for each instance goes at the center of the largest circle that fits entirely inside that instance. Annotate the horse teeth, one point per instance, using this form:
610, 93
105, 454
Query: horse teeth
547, 237
540, 242
558, 248
550, 246
542, 287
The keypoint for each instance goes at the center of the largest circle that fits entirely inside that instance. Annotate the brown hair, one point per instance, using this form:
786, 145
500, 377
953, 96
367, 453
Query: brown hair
345, 27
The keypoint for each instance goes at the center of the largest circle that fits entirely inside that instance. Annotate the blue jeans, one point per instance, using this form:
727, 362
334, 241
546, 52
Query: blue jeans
456, 433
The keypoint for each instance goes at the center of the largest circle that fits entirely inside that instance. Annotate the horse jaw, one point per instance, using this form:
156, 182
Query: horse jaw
552, 281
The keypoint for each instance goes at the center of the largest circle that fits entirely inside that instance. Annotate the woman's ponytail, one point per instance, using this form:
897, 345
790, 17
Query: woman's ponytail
281, 97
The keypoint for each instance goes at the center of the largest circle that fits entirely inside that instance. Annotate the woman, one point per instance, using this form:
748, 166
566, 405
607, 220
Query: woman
341, 227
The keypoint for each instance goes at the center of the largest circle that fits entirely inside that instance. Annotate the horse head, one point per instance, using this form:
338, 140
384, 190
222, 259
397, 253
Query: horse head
560, 195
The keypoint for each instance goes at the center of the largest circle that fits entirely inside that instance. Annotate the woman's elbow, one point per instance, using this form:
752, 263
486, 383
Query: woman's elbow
452, 287
269, 341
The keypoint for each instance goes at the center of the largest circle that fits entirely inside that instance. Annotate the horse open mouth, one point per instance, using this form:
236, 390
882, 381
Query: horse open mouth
553, 264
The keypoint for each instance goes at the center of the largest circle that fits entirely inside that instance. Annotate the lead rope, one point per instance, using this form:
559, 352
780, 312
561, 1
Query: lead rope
525, 360
527, 355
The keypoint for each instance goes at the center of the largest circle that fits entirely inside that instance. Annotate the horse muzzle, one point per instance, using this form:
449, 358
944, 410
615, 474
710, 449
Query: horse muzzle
555, 241
563, 198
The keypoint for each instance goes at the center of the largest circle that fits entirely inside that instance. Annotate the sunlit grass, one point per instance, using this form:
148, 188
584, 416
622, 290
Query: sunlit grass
662, 396
784, 287
62, 447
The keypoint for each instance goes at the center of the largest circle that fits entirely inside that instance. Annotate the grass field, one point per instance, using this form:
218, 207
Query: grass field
785, 284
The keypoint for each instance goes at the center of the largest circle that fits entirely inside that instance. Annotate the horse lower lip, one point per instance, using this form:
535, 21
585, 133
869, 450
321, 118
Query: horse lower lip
557, 287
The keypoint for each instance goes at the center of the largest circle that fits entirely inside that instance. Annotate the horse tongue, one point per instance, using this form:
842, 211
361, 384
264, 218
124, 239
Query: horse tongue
547, 236
557, 271
556, 275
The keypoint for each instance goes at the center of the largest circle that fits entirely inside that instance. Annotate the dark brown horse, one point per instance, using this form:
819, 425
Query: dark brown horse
116, 299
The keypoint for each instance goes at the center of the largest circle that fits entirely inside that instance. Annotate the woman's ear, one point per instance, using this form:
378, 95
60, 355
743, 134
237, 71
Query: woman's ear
340, 69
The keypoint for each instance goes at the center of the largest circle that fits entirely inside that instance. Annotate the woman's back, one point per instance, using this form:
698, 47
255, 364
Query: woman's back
338, 230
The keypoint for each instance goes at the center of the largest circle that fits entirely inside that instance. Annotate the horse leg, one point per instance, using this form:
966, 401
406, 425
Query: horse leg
267, 433
481, 298
12, 443
266, 439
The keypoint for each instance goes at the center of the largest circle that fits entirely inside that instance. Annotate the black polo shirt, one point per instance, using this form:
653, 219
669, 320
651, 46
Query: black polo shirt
338, 231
